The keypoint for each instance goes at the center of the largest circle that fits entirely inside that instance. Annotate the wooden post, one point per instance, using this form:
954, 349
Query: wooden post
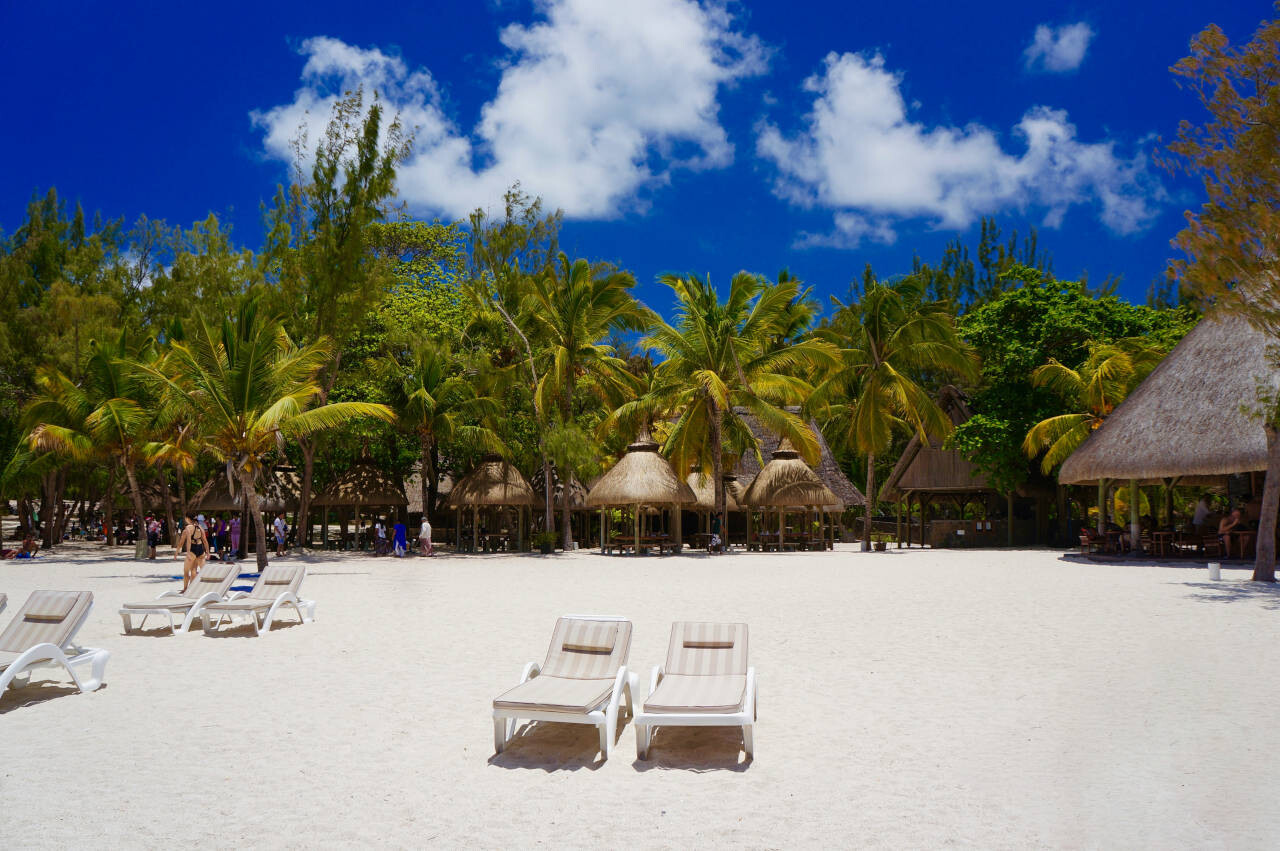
457, 530
1009, 531
1102, 506
635, 528
1135, 525
679, 521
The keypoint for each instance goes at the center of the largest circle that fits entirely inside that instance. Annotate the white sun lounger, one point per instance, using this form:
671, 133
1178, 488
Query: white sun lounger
277, 586
42, 634
210, 586
4, 601
705, 683
583, 681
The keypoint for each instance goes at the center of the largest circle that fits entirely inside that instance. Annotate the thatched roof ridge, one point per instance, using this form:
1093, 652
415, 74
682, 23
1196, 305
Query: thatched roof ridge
705, 495
927, 466
277, 491
364, 484
1187, 417
828, 469
641, 477
787, 481
494, 481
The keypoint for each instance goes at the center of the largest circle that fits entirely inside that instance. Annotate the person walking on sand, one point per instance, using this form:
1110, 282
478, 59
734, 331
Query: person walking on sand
195, 545
282, 530
380, 538
399, 539
153, 536
424, 537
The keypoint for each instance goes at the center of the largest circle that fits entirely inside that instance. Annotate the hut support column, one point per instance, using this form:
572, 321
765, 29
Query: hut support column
897, 517
678, 519
1135, 526
1009, 500
635, 528
475, 529
602, 530
1102, 506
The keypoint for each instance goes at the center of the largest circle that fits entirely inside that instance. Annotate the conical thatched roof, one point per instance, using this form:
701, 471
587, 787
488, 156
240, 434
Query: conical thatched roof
827, 470
278, 491
494, 482
641, 477
413, 490
364, 484
705, 494
787, 481
1186, 419
927, 466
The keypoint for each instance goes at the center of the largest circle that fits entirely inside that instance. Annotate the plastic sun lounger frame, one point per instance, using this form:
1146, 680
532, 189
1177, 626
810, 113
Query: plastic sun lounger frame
744, 717
67, 655
127, 612
604, 715
227, 610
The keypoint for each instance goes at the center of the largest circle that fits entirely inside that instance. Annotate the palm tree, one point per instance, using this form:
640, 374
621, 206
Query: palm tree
568, 310
437, 403
724, 357
886, 341
1109, 373
251, 388
106, 414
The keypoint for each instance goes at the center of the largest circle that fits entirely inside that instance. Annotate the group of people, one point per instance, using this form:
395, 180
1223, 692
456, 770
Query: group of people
399, 542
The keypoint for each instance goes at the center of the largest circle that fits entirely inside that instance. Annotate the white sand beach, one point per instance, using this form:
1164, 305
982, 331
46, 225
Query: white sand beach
993, 699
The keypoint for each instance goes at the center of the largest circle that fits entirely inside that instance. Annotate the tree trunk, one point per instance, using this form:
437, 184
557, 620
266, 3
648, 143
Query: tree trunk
871, 502
168, 511
717, 472
48, 497
548, 515
140, 545
427, 469
433, 486
566, 514
1102, 506
259, 524
304, 498
1264, 567
108, 508
182, 502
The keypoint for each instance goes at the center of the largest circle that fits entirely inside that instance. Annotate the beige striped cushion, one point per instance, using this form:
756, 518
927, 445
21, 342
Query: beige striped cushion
707, 649
557, 694
277, 579
587, 649
25, 631
681, 693
241, 604
173, 604
4, 601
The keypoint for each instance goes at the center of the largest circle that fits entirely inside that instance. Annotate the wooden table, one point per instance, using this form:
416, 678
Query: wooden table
1161, 543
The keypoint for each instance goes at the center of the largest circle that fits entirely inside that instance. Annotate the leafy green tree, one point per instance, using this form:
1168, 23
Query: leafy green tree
321, 247
1231, 244
892, 335
251, 388
724, 357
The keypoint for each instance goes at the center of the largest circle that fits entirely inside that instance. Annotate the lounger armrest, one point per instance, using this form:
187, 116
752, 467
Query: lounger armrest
236, 595
749, 700
530, 671
168, 594
207, 598
654, 678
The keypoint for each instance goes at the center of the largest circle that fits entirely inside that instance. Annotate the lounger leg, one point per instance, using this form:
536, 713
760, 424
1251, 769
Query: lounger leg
642, 741
98, 661
748, 739
499, 734
606, 738
128, 623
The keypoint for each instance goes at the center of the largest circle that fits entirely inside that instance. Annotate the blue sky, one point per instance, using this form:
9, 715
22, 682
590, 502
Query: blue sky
677, 136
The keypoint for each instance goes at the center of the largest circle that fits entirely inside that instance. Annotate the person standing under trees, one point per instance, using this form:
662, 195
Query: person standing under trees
399, 539
282, 531
153, 536
424, 537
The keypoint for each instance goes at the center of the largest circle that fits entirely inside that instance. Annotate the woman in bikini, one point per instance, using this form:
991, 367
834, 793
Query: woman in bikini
195, 544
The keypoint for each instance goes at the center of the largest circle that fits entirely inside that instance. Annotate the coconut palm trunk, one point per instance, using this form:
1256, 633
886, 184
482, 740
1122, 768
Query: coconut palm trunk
427, 467
717, 467
140, 547
304, 498
259, 524
871, 502
1264, 566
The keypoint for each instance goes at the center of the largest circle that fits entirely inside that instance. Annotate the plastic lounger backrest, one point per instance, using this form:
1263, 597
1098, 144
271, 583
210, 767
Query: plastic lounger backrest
587, 649
707, 649
212, 577
48, 617
277, 579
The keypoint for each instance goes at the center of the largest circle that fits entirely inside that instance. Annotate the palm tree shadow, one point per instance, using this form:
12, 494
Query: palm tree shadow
697, 749
1265, 594
552, 746
35, 693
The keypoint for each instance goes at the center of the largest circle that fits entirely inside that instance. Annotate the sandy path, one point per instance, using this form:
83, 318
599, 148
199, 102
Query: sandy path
991, 699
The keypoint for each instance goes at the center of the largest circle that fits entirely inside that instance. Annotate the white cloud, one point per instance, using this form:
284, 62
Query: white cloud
1058, 49
597, 101
861, 156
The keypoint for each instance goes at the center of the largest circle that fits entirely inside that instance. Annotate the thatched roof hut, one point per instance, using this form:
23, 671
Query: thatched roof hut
827, 469
363, 484
1188, 417
494, 482
787, 481
641, 477
277, 491
705, 494
926, 466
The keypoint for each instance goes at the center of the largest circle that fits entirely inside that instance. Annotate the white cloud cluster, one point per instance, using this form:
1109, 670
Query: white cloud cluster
1058, 49
861, 156
597, 101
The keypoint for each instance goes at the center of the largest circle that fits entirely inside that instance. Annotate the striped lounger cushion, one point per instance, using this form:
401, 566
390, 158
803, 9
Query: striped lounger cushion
579, 671
706, 669
48, 617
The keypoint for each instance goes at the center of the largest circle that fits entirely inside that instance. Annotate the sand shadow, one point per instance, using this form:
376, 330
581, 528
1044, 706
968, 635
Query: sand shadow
245, 630
552, 746
696, 749
1267, 594
37, 692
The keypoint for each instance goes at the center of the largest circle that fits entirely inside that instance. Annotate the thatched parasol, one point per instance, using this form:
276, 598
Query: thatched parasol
641, 477
788, 482
494, 482
1188, 417
363, 484
828, 469
705, 494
